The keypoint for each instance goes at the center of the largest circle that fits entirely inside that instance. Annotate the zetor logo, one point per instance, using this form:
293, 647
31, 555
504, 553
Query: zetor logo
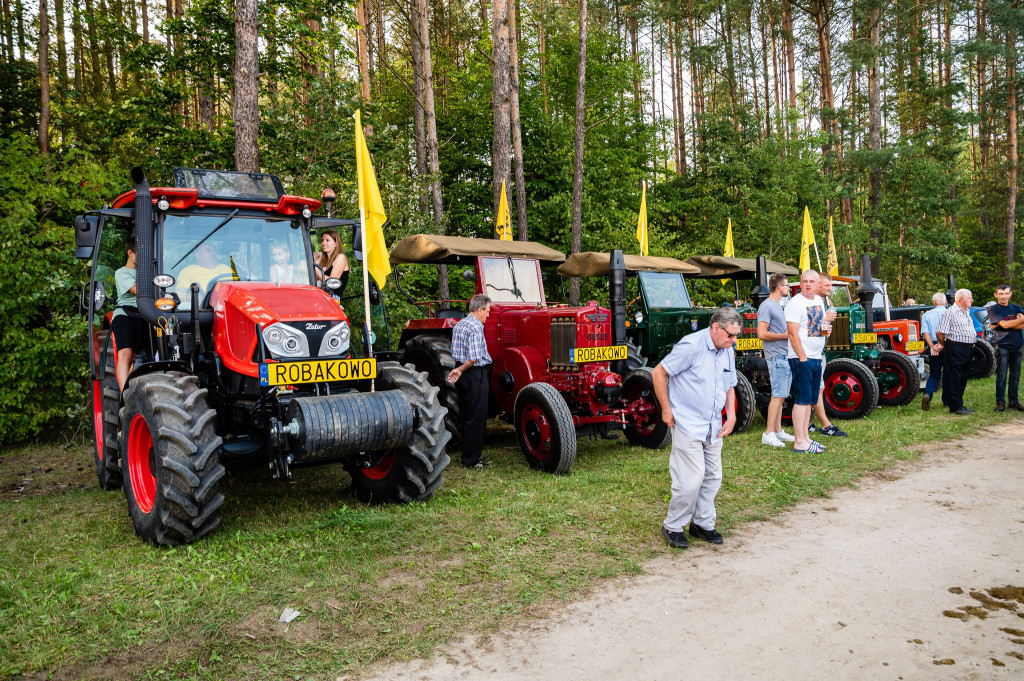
311, 326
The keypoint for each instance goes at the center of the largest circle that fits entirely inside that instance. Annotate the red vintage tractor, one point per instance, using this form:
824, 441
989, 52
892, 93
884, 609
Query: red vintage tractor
237, 362
559, 371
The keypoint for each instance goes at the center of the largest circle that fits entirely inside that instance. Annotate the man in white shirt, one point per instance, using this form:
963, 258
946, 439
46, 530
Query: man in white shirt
805, 324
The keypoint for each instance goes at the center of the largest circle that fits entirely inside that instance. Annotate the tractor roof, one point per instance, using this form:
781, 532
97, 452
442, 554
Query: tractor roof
721, 267
591, 264
452, 250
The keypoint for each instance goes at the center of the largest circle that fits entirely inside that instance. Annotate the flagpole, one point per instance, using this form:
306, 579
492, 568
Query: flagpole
818, 257
366, 287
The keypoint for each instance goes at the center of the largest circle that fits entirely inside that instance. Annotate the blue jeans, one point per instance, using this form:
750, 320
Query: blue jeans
1007, 359
934, 374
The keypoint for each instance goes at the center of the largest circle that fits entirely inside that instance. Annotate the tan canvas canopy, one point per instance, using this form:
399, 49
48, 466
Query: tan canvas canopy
432, 248
720, 267
591, 264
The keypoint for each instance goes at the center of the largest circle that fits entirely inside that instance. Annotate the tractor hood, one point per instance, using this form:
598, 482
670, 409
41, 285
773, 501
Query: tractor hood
239, 306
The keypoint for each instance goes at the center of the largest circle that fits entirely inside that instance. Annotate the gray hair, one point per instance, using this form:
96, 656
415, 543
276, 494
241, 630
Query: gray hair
478, 302
963, 293
726, 316
939, 298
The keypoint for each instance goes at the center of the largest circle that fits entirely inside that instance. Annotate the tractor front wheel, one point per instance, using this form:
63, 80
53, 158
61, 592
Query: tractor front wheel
105, 402
413, 472
851, 391
170, 459
983, 360
634, 359
898, 380
544, 428
647, 428
746, 404
433, 355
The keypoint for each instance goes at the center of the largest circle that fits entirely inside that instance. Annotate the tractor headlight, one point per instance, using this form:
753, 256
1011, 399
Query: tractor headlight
335, 341
284, 341
639, 317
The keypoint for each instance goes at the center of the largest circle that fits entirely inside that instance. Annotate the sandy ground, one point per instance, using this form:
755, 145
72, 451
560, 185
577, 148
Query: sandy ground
853, 587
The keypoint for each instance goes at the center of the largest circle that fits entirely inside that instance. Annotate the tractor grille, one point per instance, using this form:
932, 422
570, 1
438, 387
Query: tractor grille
840, 337
563, 339
510, 336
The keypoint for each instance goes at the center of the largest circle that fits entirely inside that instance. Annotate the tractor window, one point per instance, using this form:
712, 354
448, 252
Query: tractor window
665, 289
840, 295
111, 256
244, 249
520, 283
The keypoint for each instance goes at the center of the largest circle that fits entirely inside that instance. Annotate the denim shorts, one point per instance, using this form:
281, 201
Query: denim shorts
806, 380
780, 376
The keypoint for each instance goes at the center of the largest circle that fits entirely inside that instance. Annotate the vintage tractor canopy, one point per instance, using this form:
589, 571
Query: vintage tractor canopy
459, 250
591, 264
721, 267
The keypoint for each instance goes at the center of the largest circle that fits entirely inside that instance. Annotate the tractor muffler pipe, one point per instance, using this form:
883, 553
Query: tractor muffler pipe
617, 303
951, 290
760, 292
335, 425
866, 293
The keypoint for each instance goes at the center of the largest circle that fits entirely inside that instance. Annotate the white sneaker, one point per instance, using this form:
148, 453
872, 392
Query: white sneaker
771, 439
784, 436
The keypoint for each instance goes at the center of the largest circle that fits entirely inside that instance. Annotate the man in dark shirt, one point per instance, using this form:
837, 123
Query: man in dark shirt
1007, 320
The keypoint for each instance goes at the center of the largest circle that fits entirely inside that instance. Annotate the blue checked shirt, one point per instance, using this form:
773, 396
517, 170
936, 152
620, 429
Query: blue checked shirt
468, 342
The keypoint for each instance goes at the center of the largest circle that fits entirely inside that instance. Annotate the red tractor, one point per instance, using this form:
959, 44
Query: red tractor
237, 361
559, 372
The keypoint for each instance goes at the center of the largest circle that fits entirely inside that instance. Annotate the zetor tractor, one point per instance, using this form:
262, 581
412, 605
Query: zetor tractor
660, 312
559, 372
235, 364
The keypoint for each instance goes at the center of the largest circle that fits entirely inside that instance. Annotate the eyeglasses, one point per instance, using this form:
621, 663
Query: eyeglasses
732, 335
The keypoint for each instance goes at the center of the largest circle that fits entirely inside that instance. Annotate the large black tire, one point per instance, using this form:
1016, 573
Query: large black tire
851, 391
414, 472
433, 355
897, 369
647, 429
634, 358
106, 399
983, 360
545, 430
746, 404
171, 459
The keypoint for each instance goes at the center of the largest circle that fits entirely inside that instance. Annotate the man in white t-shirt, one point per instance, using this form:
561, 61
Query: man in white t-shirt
808, 333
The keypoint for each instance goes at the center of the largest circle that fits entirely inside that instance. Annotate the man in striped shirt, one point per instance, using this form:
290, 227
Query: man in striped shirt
956, 341
471, 376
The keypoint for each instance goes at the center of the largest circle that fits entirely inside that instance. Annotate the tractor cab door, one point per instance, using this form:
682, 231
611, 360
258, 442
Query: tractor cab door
109, 255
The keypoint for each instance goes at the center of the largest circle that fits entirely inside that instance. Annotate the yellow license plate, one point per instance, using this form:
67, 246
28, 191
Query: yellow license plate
915, 345
748, 344
865, 338
319, 371
608, 353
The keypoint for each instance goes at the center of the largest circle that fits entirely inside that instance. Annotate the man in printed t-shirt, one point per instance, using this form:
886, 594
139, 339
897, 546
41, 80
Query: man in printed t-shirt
808, 330
1007, 320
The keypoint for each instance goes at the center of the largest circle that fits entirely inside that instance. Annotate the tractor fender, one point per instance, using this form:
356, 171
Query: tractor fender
899, 332
514, 369
155, 367
435, 327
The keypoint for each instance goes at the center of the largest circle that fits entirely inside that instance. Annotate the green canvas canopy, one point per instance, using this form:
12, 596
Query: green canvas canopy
591, 264
452, 250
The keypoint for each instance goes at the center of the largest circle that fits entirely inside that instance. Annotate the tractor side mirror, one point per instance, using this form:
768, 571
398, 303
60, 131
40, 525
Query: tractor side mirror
333, 283
94, 294
87, 228
469, 275
374, 293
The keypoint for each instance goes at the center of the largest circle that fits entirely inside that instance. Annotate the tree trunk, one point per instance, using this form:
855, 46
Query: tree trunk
417, 104
44, 80
62, 52
543, 57
787, 32
517, 130
634, 48
680, 103
77, 51
245, 109
145, 21
577, 159
500, 160
1011, 145
363, 56
874, 130
94, 48
430, 123
382, 46
22, 49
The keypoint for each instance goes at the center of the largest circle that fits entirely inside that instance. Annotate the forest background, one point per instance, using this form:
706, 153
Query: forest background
897, 119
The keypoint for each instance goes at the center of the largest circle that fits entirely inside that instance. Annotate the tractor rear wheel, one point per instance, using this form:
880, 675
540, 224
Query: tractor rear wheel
647, 428
433, 355
544, 428
983, 360
634, 359
105, 403
171, 459
898, 380
413, 472
746, 404
851, 391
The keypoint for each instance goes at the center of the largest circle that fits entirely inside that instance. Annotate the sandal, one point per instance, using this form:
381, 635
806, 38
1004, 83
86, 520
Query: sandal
814, 448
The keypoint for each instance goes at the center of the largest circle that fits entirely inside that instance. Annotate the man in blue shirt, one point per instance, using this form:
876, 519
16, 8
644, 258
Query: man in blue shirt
693, 384
1007, 320
929, 322
472, 376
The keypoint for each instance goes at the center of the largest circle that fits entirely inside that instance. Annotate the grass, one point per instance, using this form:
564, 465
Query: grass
80, 597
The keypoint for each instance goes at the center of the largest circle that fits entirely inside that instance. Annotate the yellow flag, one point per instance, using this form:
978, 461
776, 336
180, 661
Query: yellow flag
376, 259
641, 224
833, 259
806, 242
503, 226
728, 251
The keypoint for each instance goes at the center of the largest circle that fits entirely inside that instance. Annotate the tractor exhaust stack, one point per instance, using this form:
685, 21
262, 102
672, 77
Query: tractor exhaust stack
617, 303
760, 292
866, 292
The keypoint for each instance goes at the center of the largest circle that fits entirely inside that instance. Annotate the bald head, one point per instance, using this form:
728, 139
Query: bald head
809, 283
964, 297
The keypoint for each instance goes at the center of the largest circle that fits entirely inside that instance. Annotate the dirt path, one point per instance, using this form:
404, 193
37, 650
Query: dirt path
853, 587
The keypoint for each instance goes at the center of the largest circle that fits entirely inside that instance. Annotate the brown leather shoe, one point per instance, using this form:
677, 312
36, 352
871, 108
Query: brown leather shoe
926, 402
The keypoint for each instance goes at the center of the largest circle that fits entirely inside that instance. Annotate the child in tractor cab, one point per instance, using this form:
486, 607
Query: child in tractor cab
283, 269
127, 324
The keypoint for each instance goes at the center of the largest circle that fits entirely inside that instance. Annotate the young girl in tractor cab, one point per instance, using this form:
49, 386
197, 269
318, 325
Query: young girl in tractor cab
127, 324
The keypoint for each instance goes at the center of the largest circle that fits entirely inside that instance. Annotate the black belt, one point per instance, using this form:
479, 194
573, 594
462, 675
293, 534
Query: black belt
953, 342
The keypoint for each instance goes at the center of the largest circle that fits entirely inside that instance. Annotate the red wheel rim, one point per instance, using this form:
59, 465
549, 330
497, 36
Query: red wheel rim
382, 468
536, 432
140, 449
640, 401
901, 380
97, 417
843, 391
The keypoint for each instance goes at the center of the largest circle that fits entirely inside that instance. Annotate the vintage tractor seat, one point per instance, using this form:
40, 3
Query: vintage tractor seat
450, 313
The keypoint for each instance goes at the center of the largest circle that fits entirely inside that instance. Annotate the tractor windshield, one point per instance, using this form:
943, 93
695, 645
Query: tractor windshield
243, 249
665, 289
508, 280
